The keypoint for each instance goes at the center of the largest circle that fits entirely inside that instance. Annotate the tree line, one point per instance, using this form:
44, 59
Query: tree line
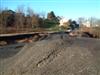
20, 21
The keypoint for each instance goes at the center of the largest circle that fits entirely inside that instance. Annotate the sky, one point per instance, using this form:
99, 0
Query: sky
67, 8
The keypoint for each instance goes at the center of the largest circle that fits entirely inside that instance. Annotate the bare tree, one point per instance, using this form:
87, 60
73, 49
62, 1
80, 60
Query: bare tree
19, 18
1, 25
33, 17
81, 20
30, 11
42, 15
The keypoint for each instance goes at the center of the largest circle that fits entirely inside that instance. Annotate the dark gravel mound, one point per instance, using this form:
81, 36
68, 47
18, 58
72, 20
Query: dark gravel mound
58, 54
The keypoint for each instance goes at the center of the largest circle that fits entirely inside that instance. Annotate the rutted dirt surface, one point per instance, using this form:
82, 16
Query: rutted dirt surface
57, 54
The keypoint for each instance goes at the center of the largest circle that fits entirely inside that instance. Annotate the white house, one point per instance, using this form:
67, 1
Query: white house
63, 22
86, 24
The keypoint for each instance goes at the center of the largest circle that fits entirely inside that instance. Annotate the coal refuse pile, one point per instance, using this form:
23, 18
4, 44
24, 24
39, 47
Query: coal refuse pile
57, 54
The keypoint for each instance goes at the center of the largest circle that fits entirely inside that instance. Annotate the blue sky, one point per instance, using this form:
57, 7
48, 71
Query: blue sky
67, 8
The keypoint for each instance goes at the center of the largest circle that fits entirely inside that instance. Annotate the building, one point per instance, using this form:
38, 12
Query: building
63, 22
86, 24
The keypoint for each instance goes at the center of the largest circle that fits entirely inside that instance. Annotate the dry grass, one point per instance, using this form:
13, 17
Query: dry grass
96, 32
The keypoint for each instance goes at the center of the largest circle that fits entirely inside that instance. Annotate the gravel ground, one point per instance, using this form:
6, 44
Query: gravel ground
58, 54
